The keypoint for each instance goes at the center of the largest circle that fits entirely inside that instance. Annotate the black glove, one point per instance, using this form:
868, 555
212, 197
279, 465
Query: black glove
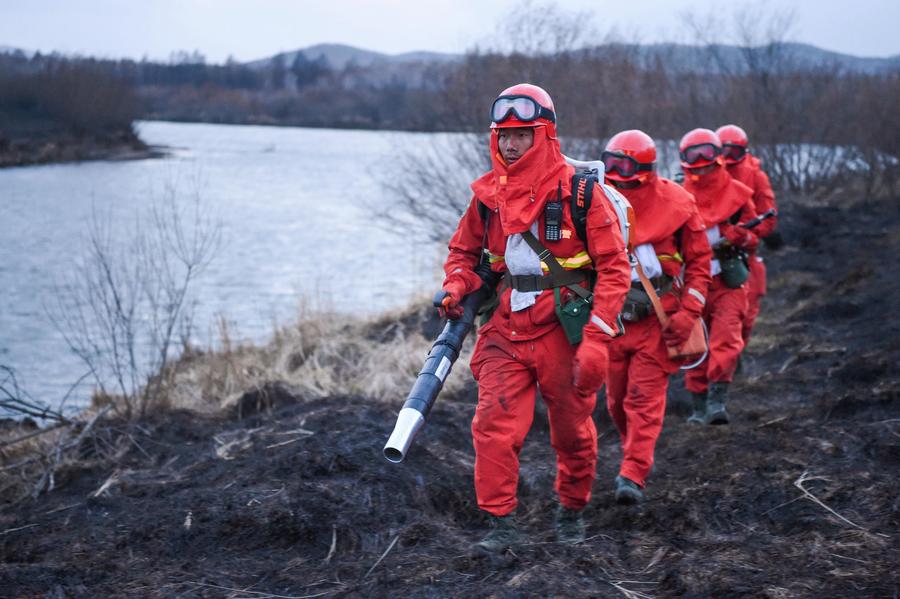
774, 241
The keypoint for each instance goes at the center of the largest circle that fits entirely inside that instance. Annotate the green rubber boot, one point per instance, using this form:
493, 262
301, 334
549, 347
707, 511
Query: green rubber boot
698, 416
570, 528
503, 535
628, 492
715, 407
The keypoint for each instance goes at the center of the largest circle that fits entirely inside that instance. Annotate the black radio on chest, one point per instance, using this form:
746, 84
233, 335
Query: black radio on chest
552, 221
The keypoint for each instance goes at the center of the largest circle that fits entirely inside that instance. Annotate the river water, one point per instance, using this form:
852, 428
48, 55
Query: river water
297, 229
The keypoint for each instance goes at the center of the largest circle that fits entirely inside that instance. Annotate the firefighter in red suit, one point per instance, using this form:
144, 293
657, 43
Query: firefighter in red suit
523, 347
724, 203
745, 167
669, 241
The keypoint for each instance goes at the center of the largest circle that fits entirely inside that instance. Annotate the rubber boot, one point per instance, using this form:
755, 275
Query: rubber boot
698, 416
628, 492
570, 526
504, 534
715, 407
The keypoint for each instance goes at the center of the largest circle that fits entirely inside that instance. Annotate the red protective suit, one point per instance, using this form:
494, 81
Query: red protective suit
520, 351
749, 172
723, 202
639, 366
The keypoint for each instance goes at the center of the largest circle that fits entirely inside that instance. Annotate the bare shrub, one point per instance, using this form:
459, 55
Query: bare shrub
813, 126
128, 300
555, 32
39, 439
430, 190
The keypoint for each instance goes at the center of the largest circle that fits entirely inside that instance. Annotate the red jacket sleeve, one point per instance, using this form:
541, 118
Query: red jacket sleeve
607, 250
466, 248
764, 199
697, 255
745, 239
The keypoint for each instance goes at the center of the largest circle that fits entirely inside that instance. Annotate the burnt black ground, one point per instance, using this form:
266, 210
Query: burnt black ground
296, 501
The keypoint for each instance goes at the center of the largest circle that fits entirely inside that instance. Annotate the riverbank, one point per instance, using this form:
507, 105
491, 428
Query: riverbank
265, 478
63, 148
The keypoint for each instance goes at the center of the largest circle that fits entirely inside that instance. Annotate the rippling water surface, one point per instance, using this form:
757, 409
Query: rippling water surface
296, 225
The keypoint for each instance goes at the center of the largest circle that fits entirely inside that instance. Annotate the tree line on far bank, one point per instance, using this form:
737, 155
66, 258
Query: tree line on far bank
813, 126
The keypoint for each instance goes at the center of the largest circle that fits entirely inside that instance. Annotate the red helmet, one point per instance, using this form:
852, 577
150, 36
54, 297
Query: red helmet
699, 148
734, 143
629, 155
523, 105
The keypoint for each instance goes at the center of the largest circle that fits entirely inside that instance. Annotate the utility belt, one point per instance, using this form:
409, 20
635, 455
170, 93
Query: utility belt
527, 283
638, 305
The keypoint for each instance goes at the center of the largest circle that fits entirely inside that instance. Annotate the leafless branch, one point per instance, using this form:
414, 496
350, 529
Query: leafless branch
129, 298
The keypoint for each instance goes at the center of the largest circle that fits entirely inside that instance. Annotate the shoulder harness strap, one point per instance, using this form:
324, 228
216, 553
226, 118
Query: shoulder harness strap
483, 211
582, 194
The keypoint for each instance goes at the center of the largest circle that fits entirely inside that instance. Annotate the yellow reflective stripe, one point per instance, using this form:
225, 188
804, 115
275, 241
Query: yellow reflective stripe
579, 260
495, 259
676, 256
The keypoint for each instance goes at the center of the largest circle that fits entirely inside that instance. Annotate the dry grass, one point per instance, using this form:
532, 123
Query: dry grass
321, 355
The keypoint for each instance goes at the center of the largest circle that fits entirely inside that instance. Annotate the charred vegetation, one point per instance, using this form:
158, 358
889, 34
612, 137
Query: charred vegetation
282, 490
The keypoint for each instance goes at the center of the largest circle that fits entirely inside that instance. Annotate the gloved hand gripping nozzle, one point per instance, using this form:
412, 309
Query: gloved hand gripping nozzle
440, 360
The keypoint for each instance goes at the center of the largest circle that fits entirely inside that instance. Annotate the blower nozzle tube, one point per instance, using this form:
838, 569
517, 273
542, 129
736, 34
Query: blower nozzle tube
440, 360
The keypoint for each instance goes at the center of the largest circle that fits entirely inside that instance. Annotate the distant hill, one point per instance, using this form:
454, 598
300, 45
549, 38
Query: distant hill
679, 57
337, 56
734, 59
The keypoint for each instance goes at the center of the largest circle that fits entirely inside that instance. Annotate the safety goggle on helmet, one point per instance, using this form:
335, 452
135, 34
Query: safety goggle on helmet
699, 147
523, 108
699, 155
625, 166
628, 155
734, 143
733, 153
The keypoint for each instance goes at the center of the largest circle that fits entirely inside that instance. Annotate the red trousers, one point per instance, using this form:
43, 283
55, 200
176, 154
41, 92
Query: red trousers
724, 315
509, 374
639, 369
756, 289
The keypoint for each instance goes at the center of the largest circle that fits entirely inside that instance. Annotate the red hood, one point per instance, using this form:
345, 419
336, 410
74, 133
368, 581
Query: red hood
520, 190
660, 208
717, 194
745, 170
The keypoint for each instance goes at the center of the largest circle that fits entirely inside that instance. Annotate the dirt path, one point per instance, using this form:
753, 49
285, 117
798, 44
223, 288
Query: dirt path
799, 497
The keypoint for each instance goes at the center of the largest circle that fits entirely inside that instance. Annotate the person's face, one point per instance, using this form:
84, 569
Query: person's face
633, 183
514, 142
703, 169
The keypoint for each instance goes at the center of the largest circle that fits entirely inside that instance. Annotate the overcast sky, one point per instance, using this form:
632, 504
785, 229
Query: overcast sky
248, 29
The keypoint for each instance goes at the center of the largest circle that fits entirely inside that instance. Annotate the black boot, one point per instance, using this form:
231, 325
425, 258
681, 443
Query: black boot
698, 416
504, 534
628, 492
715, 408
569, 525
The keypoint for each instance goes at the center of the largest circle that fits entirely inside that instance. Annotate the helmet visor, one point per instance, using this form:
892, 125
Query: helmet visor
625, 166
694, 154
733, 152
524, 108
